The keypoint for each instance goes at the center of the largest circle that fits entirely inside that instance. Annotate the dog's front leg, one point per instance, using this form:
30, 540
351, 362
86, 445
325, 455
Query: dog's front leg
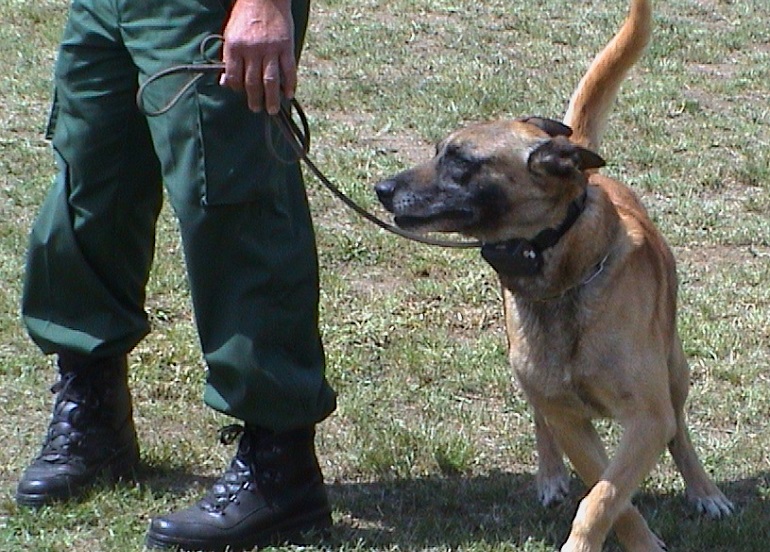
609, 500
631, 528
552, 477
605, 506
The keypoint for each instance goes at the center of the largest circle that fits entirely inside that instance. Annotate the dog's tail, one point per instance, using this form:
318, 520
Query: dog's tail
591, 101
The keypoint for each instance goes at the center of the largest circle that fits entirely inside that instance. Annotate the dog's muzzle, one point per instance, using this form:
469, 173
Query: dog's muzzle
385, 191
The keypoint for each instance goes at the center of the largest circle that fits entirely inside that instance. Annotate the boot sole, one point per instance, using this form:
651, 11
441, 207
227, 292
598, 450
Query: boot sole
108, 475
308, 529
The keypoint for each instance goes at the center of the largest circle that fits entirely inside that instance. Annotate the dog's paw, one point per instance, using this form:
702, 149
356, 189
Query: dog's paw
715, 506
552, 490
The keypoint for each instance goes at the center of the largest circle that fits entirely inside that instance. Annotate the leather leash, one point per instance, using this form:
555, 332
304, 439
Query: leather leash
298, 138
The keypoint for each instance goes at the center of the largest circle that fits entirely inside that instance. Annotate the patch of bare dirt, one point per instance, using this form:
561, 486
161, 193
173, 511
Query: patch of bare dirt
708, 255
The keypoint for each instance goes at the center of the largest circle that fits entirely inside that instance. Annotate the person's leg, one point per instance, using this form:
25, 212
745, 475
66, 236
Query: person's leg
89, 257
92, 243
250, 253
245, 224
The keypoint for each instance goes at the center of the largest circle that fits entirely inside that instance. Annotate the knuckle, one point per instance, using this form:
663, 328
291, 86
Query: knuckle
252, 81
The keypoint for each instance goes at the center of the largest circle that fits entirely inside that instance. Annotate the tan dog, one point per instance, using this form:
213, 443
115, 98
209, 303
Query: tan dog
590, 293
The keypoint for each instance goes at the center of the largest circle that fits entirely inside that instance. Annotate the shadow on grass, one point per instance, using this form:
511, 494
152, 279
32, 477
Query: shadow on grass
446, 512
171, 478
498, 510
501, 508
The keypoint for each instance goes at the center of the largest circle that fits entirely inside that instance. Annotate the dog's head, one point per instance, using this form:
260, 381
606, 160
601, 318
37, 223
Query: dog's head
492, 181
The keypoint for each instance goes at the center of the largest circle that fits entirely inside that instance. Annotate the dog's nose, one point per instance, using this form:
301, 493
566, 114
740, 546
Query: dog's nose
385, 191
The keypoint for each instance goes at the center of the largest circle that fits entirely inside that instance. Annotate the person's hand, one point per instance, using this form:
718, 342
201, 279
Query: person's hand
259, 52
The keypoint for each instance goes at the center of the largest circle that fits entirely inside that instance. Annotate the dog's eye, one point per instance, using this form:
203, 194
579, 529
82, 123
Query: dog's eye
456, 164
459, 155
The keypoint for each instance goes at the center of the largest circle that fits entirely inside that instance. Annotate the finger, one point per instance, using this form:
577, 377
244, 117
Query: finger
271, 80
288, 75
232, 77
255, 92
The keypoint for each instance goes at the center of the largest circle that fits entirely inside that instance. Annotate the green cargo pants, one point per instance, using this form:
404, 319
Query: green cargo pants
245, 225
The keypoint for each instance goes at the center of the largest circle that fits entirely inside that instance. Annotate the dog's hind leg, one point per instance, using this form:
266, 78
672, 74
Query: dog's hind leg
702, 492
552, 476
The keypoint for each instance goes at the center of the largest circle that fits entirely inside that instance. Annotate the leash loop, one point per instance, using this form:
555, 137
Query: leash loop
197, 70
297, 136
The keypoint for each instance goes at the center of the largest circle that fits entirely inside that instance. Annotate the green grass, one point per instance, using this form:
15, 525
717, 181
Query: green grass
432, 446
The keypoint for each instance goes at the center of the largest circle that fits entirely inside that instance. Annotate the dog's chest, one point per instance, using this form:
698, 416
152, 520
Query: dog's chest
551, 356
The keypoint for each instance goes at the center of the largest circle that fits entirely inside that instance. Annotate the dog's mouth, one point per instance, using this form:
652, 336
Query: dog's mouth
451, 220
426, 211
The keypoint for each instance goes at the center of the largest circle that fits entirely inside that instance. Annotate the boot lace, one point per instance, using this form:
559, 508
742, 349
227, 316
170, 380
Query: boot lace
244, 473
74, 403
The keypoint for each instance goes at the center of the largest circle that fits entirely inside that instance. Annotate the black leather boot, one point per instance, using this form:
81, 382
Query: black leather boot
272, 493
91, 436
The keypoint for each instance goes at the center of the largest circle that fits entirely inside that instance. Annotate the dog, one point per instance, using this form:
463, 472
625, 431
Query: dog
589, 291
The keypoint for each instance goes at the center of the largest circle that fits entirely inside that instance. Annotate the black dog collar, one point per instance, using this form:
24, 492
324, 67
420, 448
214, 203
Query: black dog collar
523, 257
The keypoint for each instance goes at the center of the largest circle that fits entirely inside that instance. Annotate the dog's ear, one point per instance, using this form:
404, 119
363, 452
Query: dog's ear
559, 157
549, 126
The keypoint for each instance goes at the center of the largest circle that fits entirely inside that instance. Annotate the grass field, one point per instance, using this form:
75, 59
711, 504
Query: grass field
431, 447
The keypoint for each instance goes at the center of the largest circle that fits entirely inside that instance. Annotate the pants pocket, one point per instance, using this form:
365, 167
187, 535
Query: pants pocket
239, 165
